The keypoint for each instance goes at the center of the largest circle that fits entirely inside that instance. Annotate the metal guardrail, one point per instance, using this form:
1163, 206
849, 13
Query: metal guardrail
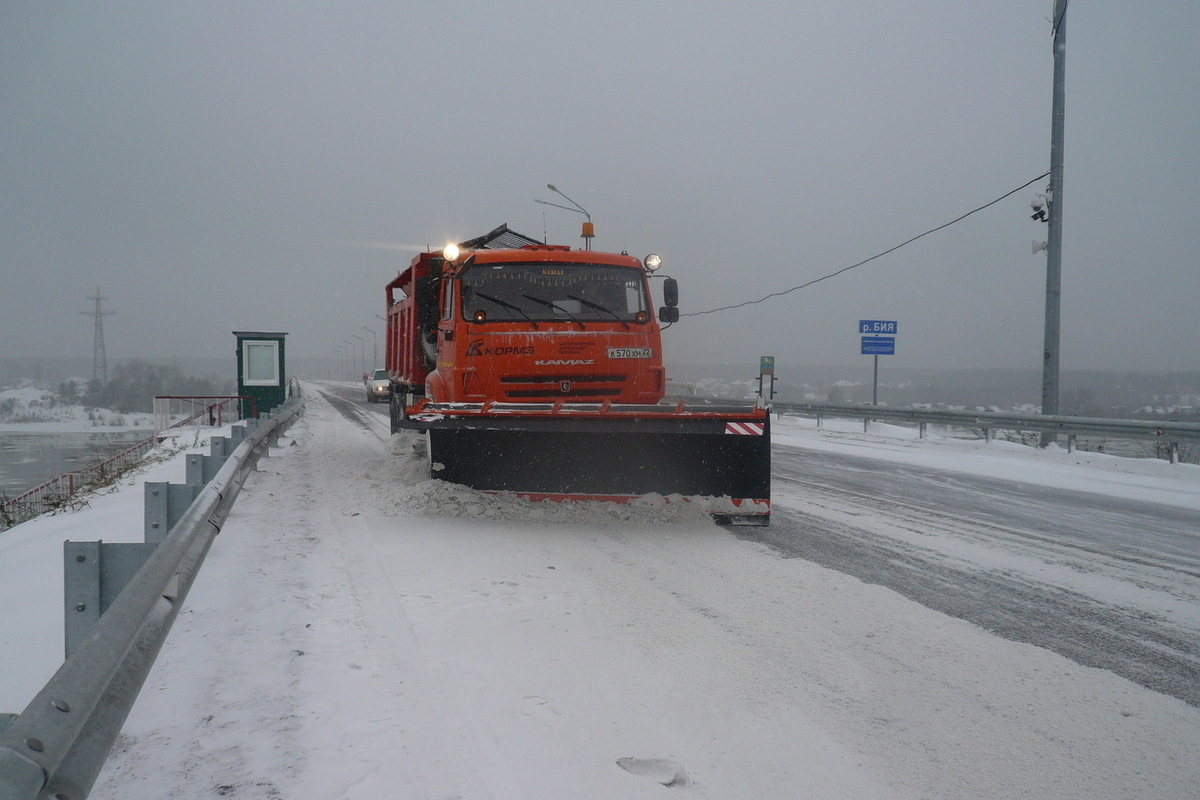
1172, 433
56, 747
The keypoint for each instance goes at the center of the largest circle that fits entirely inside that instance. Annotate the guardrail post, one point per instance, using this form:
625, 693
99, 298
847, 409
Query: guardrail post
94, 573
1174, 452
201, 468
920, 430
273, 439
81, 590
166, 503
249, 426
220, 447
1070, 443
157, 511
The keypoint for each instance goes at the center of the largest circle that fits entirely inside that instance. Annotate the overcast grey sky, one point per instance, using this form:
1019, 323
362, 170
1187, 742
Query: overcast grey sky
217, 166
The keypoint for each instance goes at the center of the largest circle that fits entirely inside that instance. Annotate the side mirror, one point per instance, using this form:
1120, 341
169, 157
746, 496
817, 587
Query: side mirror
668, 314
671, 292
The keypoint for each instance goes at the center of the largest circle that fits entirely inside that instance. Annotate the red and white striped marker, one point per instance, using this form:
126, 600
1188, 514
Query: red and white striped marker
744, 428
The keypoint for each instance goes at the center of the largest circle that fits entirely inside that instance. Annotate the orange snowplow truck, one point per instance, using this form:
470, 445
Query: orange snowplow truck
536, 369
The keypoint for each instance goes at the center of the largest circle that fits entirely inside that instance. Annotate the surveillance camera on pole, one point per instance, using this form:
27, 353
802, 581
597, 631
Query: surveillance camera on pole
1041, 208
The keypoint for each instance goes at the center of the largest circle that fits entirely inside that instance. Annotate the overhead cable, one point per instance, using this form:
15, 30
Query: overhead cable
872, 258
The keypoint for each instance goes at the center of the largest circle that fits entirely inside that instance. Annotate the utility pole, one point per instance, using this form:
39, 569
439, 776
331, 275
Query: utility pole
99, 358
362, 348
1054, 209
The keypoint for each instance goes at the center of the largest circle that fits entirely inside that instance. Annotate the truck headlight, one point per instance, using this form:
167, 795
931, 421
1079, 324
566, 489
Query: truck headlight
652, 262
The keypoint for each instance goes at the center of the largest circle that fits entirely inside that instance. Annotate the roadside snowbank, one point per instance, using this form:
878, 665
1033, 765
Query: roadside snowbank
1148, 479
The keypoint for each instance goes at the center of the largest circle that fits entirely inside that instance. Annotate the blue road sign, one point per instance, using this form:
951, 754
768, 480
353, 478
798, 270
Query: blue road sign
874, 327
879, 345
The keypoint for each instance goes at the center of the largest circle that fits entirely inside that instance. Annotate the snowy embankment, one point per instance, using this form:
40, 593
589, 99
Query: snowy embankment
360, 632
39, 411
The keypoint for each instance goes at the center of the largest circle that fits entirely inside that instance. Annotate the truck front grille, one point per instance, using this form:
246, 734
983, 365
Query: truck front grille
556, 379
549, 387
551, 393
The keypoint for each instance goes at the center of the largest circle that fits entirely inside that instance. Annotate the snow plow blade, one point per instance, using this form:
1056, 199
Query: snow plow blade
719, 456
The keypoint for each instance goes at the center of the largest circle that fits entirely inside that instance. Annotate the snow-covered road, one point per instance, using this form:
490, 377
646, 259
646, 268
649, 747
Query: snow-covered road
360, 632
1109, 582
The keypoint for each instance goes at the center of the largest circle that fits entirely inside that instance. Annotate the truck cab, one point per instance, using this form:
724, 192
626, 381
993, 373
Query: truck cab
525, 322
544, 324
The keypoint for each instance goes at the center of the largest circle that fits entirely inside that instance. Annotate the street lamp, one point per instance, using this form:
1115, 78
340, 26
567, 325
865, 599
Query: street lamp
374, 347
363, 345
588, 229
342, 359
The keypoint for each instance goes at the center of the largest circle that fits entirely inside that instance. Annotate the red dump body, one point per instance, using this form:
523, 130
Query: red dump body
403, 357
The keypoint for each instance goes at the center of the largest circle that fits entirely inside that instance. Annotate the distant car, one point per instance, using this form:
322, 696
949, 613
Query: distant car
378, 387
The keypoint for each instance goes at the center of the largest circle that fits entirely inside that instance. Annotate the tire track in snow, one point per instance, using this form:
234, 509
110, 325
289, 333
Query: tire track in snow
845, 530
354, 414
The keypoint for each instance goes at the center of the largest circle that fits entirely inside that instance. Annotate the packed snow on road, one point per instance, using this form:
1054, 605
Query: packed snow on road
360, 631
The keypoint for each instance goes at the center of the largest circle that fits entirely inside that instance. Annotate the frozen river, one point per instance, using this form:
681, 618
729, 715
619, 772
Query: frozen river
30, 458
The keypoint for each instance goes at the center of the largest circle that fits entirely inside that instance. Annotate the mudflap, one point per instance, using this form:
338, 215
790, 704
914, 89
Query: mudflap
725, 463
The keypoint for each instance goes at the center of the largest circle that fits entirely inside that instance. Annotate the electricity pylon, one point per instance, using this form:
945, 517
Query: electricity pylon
99, 359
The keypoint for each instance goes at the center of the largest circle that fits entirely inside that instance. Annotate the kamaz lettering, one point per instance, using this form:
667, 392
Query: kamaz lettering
565, 362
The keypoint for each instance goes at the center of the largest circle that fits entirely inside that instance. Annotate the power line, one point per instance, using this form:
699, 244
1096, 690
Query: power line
872, 258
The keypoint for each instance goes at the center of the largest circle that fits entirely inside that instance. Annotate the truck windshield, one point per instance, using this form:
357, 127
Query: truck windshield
543, 292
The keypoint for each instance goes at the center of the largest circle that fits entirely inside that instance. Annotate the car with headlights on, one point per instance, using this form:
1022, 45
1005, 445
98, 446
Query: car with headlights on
378, 386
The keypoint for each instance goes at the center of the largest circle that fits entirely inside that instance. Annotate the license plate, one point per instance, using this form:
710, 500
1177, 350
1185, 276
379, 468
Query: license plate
630, 352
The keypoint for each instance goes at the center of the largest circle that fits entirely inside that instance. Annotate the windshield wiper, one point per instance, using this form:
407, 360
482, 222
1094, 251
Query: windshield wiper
508, 305
556, 307
599, 307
